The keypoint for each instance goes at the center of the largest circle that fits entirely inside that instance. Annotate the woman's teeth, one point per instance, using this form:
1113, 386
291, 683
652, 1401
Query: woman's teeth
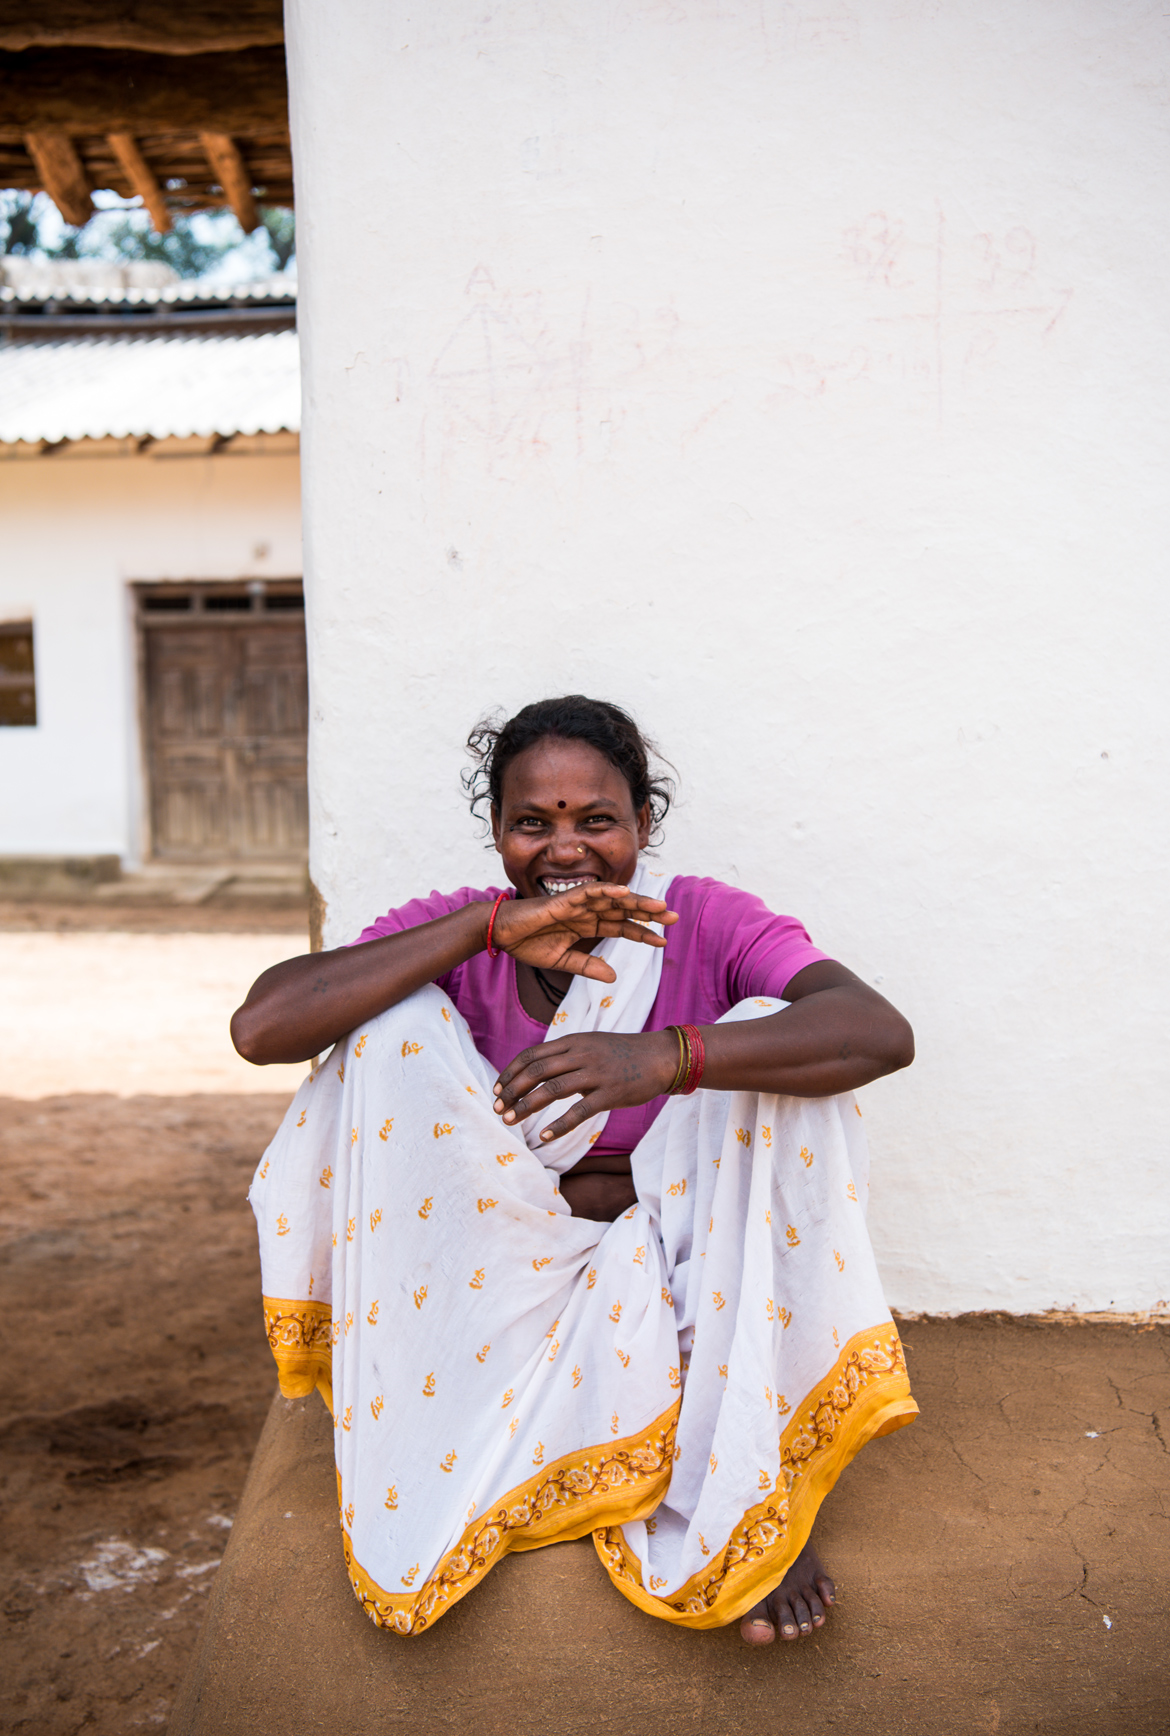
553, 887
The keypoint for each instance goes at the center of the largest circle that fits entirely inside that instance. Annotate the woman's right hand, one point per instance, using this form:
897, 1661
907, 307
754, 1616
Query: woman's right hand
548, 932
303, 1005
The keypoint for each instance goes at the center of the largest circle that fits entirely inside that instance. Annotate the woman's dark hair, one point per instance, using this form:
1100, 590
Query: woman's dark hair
494, 744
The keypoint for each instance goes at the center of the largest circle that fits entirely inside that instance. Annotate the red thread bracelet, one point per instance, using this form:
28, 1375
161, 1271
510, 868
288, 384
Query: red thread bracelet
494, 951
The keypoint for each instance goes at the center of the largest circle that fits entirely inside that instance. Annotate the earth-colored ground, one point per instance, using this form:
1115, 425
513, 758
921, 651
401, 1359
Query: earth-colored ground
92, 1008
1002, 1570
1003, 1563
218, 916
138, 1378
137, 1373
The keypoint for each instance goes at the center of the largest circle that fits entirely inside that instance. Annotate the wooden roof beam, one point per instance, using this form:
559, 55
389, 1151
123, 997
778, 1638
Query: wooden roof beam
98, 90
230, 171
141, 177
62, 175
156, 26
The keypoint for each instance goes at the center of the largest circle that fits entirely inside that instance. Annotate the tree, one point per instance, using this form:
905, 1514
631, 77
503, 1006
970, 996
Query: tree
281, 225
17, 214
193, 247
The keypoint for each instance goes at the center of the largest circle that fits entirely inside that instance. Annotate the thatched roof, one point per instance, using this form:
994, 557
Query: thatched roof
184, 105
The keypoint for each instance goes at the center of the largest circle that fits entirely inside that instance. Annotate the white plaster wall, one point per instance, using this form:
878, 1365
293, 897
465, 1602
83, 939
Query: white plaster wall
75, 532
797, 376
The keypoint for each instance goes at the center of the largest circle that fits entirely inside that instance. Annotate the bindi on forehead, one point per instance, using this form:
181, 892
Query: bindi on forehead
562, 804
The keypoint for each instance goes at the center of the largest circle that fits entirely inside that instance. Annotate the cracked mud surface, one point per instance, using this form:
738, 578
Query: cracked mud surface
138, 1378
1026, 1514
1002, 1568
1004, 1564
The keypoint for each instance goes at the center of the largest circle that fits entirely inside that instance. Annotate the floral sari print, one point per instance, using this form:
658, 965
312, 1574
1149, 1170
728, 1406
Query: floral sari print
686, 1383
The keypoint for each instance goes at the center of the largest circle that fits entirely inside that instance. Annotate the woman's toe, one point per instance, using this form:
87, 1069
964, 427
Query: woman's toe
803, 1615
756, 1627
827, 1589
815, 1608
786, 1621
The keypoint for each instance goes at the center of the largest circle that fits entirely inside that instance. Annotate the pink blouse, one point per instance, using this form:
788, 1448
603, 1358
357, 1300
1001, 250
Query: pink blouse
726, 946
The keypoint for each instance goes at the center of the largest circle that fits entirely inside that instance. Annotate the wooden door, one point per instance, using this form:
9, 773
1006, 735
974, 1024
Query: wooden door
227, 722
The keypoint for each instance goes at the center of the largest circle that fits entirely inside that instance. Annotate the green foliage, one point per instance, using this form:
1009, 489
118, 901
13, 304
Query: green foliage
281, 225
21, 234
193, 247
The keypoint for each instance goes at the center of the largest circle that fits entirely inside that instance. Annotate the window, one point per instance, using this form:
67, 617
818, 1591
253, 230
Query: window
18, 688
252, 597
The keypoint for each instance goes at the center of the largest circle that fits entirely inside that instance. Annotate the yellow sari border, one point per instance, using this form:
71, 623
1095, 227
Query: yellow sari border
300, 1337
618, 1481
865, 1394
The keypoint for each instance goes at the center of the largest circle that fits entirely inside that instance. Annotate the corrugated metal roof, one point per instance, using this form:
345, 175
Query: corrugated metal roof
90, 388
32, 284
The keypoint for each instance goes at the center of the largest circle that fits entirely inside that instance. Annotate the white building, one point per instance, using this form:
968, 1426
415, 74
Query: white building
152, 661
795, 375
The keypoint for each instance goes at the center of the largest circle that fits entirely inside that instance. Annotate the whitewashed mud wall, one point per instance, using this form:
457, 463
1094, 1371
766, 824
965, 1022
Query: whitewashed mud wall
796, 376
75, 532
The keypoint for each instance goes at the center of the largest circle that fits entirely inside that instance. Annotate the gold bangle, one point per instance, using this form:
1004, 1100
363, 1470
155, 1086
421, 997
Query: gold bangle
684, 1059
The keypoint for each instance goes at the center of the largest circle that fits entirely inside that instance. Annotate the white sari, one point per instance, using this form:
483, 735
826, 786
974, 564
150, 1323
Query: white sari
686, 1383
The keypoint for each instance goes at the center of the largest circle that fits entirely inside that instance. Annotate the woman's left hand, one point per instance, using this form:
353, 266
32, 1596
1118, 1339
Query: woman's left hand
608, 1070
837, 1034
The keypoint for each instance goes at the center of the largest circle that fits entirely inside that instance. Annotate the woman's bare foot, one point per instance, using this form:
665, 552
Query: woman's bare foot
797, 1605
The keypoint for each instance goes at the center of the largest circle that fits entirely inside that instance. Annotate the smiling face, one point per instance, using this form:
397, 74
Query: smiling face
567, 817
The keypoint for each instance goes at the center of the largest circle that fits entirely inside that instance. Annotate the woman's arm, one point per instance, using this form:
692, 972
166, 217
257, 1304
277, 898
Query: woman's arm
304, 1005
837, 1034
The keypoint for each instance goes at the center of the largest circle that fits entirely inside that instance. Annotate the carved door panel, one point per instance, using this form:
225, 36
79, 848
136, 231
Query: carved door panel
269, 802
227, 721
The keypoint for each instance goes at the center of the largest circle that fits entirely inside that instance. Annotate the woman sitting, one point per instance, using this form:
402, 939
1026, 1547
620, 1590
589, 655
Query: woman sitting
570, 1227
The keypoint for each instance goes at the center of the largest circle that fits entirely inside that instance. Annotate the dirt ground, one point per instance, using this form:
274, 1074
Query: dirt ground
219, 915
138, 1381
138, 1372
1002, 1570
131, 1013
